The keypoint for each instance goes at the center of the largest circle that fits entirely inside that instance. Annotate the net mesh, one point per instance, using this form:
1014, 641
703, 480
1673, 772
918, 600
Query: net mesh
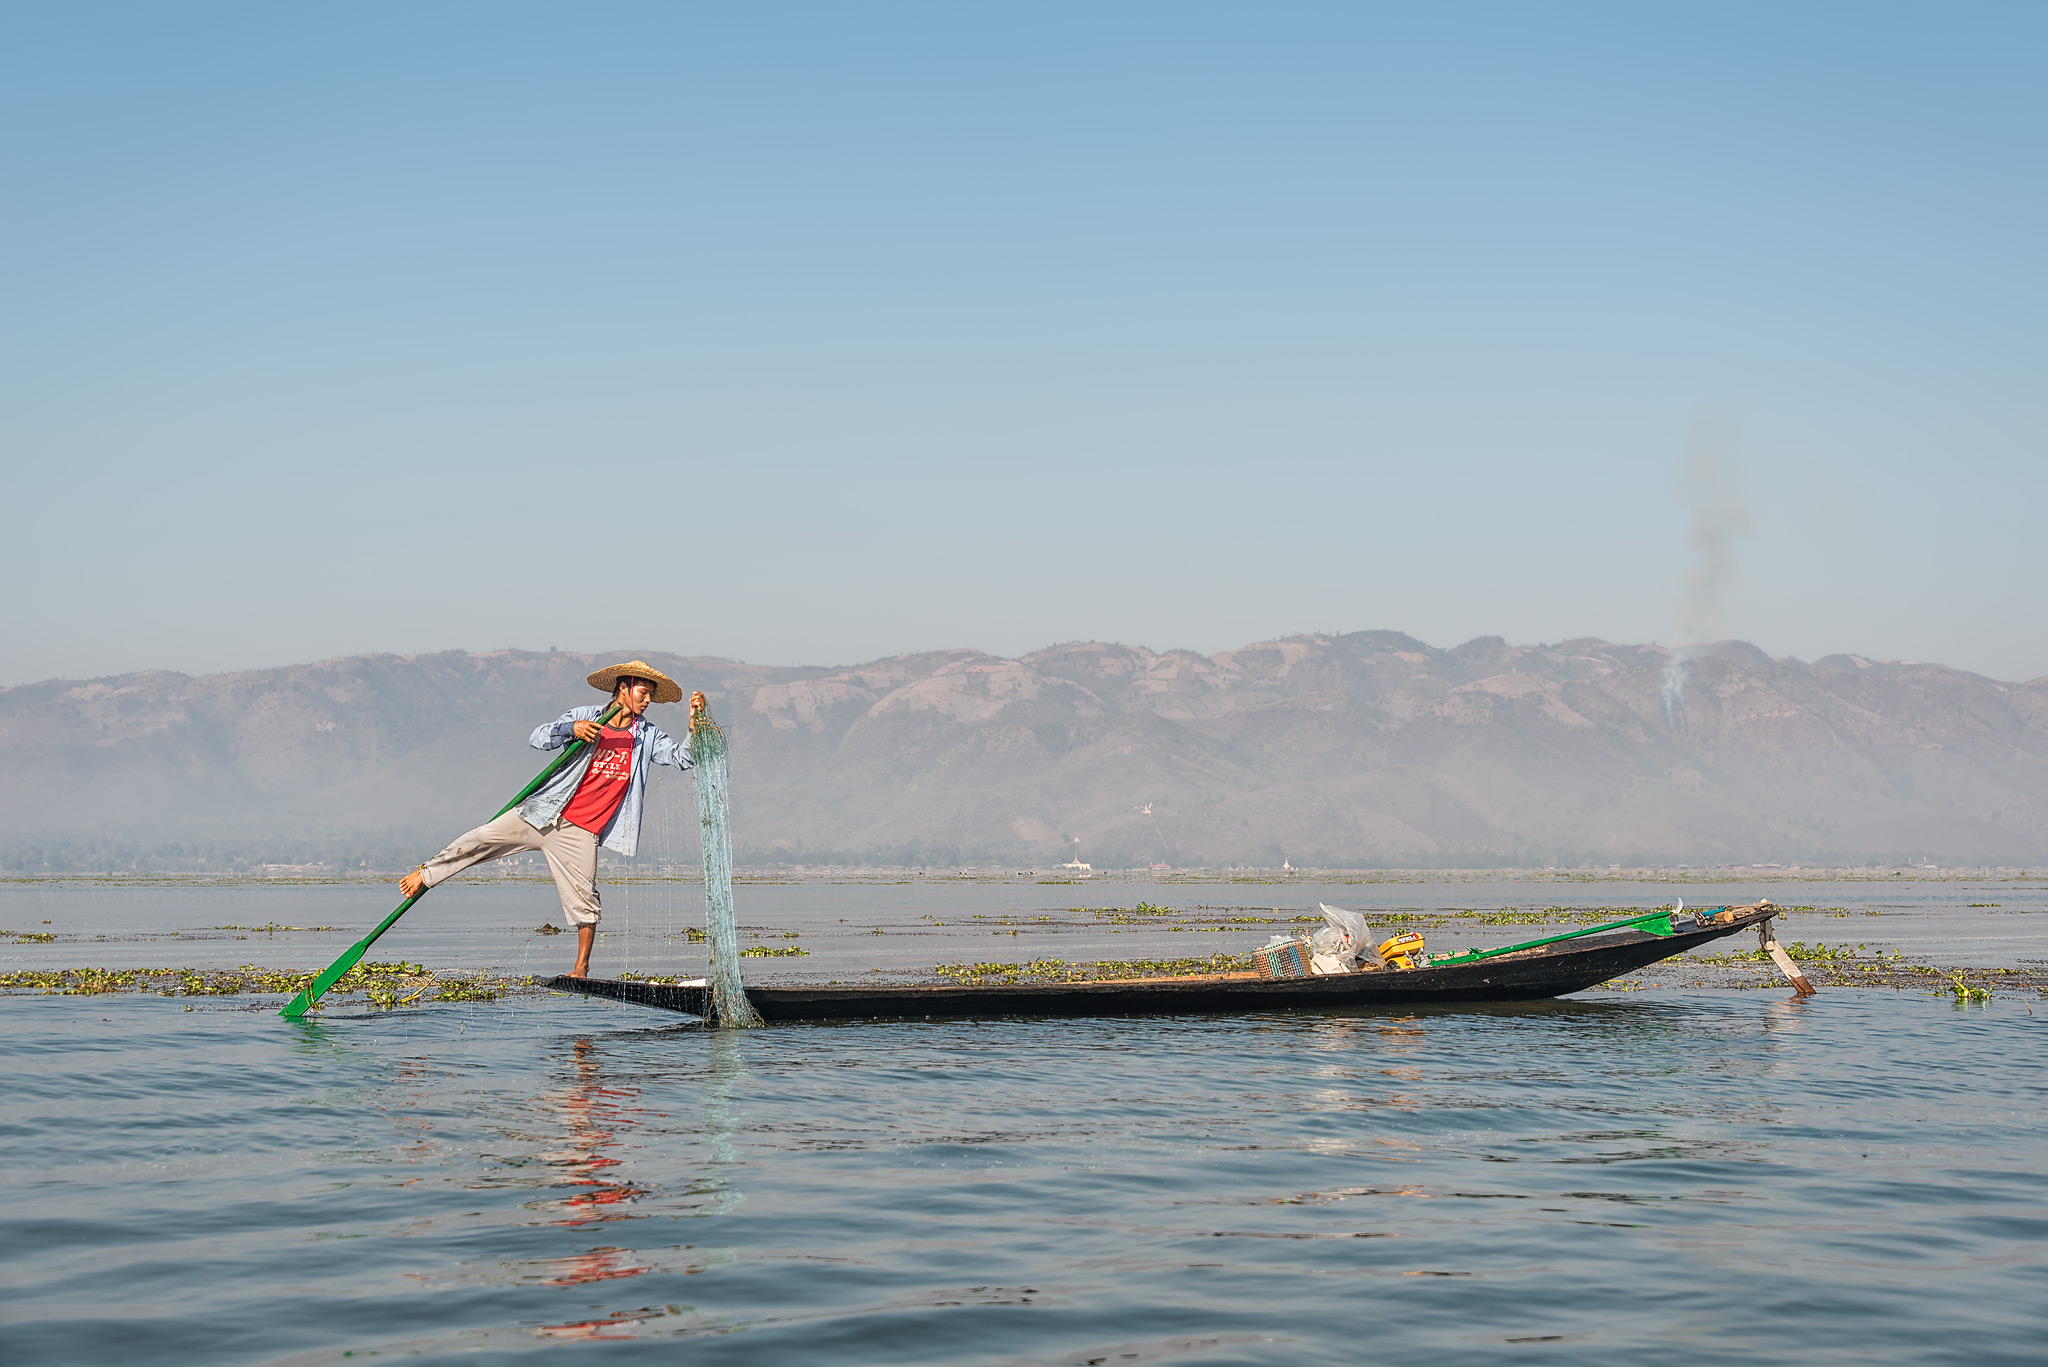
729, 1004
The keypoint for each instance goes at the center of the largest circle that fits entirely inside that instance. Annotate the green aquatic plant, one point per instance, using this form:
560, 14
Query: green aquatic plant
1169, 968
1820, 951
764, 952
1059, 970
381, 984
1515, 916
1144, 911
72, 982
974, 975
1964, 992
1796, 950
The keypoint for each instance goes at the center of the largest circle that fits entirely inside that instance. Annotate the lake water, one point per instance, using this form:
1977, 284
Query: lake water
897, 927
1669, 1176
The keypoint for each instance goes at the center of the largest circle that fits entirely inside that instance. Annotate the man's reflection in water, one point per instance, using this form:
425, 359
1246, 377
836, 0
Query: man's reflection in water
596, 1116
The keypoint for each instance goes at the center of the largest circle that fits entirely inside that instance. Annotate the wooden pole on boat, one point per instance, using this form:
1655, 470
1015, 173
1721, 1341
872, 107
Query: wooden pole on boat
332, 974
1783, 960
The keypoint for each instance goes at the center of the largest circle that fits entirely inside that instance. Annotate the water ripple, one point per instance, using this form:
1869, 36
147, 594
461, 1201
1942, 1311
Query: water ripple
1702, 1178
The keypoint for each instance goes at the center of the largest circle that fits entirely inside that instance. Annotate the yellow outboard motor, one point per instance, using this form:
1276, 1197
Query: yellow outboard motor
1400, 951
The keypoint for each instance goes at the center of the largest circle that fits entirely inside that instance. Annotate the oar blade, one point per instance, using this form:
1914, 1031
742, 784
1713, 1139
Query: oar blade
333, 973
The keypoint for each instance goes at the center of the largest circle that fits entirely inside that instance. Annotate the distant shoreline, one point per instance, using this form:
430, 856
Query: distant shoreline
1675, 874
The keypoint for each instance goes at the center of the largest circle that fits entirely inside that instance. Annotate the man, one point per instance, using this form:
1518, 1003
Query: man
595, 800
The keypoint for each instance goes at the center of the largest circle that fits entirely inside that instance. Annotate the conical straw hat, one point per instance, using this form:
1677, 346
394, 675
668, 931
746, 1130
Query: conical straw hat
665, 688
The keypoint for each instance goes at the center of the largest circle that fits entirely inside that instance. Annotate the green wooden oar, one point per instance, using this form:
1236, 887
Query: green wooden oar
333, 972
1656, 923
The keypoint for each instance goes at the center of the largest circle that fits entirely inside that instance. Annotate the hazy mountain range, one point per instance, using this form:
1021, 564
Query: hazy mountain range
1369, 749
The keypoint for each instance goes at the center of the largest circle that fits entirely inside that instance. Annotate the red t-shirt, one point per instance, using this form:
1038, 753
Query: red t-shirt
603, 788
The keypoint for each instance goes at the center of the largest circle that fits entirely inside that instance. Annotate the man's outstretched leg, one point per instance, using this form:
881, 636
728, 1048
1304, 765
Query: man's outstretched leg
572, 858
494, 840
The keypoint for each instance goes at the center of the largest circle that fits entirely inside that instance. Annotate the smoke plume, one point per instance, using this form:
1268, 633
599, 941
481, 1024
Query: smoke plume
1711, 488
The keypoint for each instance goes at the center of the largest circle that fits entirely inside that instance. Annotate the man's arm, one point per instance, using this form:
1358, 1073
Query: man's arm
559, 732
663, 748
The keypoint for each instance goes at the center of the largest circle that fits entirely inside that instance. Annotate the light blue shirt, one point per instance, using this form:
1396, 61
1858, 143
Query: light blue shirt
651, 745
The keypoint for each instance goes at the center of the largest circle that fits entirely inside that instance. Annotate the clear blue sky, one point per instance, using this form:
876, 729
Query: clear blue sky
812, 334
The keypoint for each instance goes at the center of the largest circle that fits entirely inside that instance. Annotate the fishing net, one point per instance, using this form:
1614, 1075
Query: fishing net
729, 1004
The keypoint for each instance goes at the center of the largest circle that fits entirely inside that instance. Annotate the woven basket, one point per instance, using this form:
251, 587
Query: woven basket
1282, 961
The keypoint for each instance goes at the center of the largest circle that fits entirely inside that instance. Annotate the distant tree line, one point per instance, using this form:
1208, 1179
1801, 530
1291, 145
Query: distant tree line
112, 854
394, 851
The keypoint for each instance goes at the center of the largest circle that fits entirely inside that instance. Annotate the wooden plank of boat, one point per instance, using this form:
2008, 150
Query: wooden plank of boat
1550, 971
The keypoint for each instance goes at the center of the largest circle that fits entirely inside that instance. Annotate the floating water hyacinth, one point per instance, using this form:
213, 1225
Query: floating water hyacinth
729, 1004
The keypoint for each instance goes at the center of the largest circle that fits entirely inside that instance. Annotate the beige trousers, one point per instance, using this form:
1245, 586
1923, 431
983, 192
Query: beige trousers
571, 852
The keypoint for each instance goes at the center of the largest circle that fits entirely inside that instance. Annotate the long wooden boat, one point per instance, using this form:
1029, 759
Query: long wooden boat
1545, 968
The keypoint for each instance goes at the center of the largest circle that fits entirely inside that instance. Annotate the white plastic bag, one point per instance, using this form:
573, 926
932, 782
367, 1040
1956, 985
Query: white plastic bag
1345, 938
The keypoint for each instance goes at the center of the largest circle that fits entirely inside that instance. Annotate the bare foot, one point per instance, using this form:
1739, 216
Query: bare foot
413, 884
586, 936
